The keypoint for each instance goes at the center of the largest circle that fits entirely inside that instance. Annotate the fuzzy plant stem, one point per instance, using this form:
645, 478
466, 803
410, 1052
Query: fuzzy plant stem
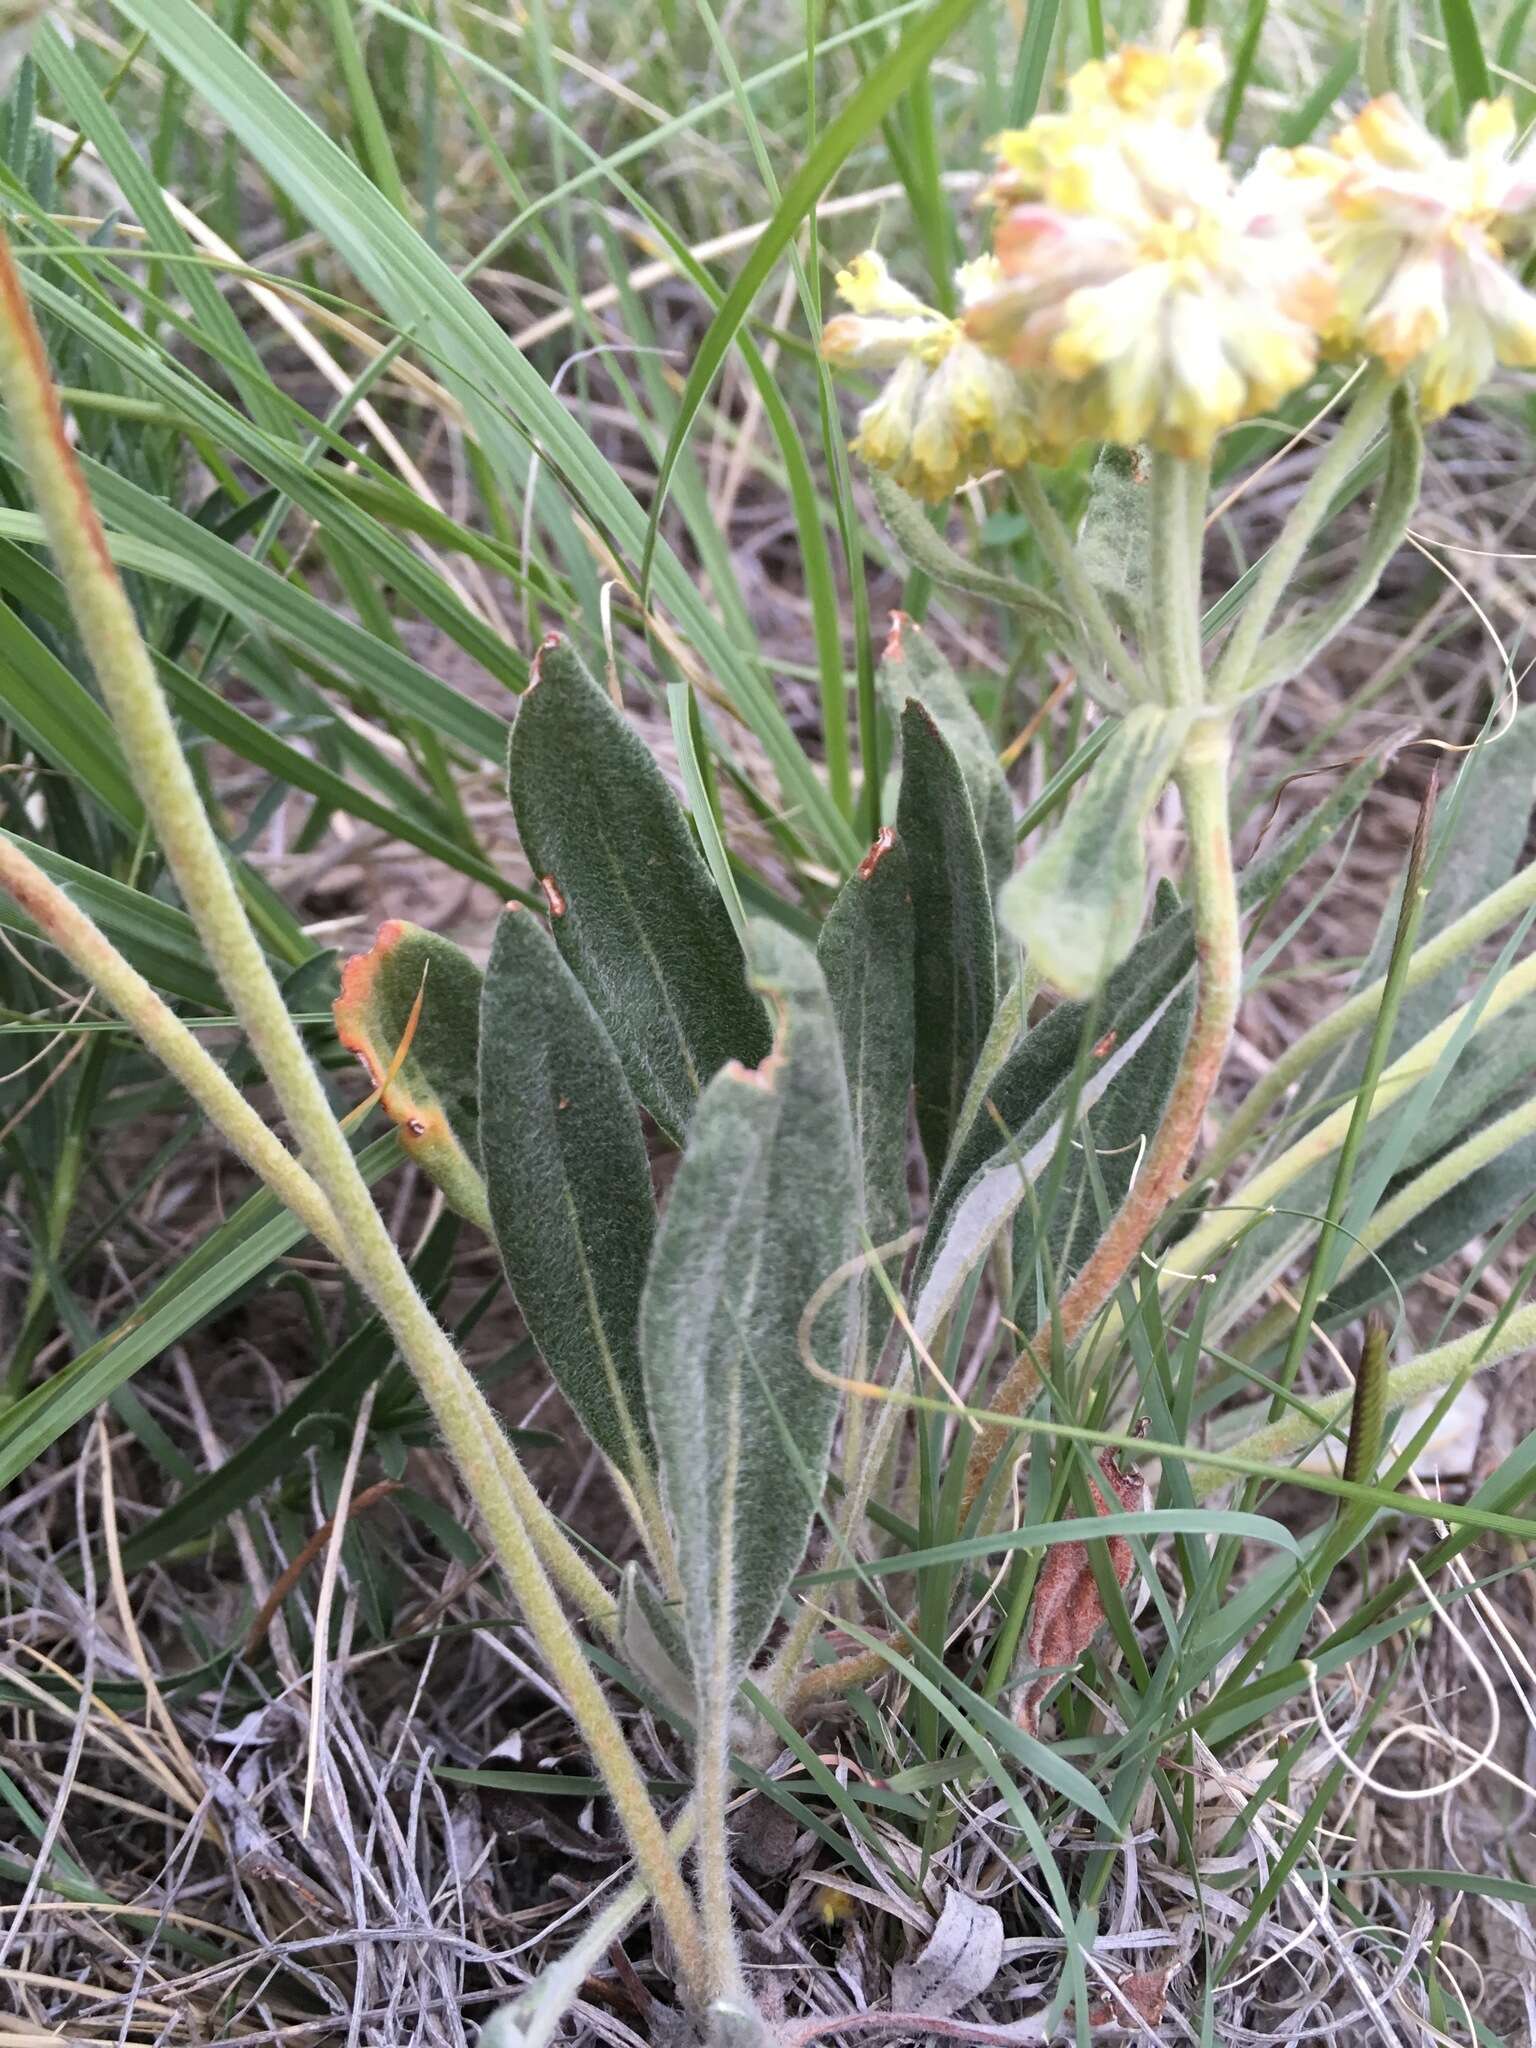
1430, 1373
125, 673
1356, 431
1497, 909
1176, 536
1202, 781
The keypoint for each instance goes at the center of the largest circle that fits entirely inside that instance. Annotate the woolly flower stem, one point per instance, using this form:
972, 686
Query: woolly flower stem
1202, 780
125, 672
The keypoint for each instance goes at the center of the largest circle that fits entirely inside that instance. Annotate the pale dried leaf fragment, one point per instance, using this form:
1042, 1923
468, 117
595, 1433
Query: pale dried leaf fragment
962, 1956
1067, 1611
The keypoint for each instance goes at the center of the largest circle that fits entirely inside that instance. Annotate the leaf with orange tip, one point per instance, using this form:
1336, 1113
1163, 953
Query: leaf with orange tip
1068, 1611
410, 1010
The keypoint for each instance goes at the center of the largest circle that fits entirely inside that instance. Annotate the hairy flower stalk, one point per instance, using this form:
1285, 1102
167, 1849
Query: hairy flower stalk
1202, 780
518, 1524
1138, 293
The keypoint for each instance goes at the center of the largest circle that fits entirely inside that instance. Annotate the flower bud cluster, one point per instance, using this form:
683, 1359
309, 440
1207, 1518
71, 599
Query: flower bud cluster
1138, 292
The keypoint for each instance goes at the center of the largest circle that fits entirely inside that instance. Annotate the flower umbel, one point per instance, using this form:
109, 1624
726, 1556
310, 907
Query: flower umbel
950, 411
1149, 296
1417, 238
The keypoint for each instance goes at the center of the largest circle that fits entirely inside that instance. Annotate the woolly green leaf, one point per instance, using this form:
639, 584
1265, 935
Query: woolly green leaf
927, 550
1015, 1133
634, 911
1114, 545
914, 667
762, 1211
985, 1181
432, 1092
1077, 906
954, 943
568, 1183
865, 951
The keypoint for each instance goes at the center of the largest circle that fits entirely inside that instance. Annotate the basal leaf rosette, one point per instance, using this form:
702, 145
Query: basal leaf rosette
950, 411
1146, 296
1418, 238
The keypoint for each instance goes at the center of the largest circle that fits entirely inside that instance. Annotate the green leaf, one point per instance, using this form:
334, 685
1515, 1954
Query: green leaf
1017, 1129
1114, 544
865, 951
1077, 906
983, 1184
568, 1183
432, 1093
954, 941
634, 911
1469, 66
929, 551
762, 1211
509, 405
1480, 1203
1297, 642
913, 667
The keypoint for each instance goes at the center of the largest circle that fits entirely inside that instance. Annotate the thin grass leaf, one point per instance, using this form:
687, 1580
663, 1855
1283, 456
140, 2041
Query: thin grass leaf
880, 91
228, 1259
1469, 66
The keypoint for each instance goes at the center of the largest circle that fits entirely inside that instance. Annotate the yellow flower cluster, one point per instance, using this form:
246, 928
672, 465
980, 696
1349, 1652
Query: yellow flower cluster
951, 410
1417, 239
1139, 292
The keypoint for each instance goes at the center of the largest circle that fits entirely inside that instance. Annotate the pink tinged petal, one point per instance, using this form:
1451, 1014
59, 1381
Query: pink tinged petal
1506, 307
1410, 317
875, 342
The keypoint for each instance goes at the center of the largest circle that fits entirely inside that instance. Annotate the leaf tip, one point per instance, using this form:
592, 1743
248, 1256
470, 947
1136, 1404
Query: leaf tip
554, 896
884, 840
536, 667
359, 977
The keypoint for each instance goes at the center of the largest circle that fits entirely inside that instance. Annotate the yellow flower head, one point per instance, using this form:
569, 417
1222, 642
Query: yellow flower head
1151, 297
1172, 91
950, 411
1417, 237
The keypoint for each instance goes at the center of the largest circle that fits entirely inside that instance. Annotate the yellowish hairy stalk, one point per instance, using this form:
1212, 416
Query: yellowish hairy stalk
1430, 1373
501, 1491
1405, 1073
1496, 910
